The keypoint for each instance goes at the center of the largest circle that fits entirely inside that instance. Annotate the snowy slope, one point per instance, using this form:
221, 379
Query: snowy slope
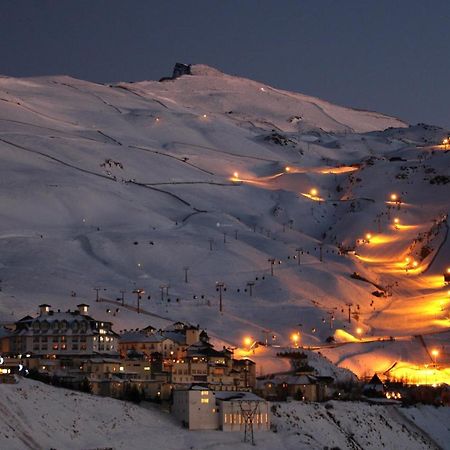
36, 416
122, 186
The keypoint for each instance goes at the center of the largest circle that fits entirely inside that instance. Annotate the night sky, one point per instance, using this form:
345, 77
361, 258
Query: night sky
386, 55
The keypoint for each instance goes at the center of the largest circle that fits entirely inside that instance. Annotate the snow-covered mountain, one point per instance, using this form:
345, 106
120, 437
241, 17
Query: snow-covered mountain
123, 186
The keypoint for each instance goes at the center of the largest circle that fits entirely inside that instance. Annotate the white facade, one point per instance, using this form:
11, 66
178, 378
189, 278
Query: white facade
199, 408
196, 408
235, 408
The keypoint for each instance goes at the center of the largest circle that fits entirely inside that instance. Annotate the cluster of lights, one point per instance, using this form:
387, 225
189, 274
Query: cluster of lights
411, 263
395, 198
295, 338
393, 395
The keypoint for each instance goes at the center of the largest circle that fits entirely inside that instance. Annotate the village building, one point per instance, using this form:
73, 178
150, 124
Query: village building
299, 386
184, 352
62, 334
200, 408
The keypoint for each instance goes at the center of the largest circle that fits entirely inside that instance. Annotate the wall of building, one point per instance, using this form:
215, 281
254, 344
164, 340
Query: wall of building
232, 419
196, 409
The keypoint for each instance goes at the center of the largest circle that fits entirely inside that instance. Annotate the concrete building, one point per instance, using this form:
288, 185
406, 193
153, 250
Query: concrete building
195, 407
200, 408
61, 334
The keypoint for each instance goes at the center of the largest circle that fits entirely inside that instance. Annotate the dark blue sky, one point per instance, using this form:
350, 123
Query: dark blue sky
387, 55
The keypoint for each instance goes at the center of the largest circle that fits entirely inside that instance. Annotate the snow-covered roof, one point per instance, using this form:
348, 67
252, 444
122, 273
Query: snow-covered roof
227, 396
138, 336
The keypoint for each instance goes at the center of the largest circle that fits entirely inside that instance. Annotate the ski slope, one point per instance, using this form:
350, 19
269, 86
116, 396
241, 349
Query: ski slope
122, 186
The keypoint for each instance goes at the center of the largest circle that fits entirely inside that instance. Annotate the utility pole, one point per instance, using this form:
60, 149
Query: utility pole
97, 290
250, 285
224, 237
162, 287
272, 262
349, 312
123, 297
235, 234
186, 268
220, 286
139, 293
331, 316
211, 242
299, 251
321, 251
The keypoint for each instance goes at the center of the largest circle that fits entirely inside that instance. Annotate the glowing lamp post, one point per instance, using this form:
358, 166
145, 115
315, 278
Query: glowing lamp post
287, 169
313, 192
435, 354
368, 237
248, 342
295, 338
359, 332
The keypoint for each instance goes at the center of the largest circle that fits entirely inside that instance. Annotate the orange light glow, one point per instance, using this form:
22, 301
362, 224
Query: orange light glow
287, 169
435, 352
394, 197
368, 236
313, 192
248, 341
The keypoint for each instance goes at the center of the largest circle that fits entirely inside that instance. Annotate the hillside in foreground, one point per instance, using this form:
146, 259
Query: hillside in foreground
38, 416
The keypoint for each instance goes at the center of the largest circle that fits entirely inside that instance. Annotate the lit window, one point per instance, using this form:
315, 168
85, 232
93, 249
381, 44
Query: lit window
205, 400
204, 393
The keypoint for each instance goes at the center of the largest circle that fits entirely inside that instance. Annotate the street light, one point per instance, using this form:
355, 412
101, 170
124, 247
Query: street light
295, 338
435, 353
313, 192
